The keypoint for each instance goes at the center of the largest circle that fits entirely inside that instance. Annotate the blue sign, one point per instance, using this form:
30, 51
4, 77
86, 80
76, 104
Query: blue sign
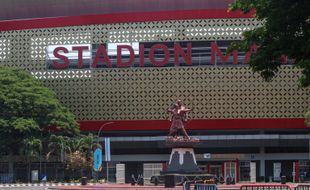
107, 149
97, 159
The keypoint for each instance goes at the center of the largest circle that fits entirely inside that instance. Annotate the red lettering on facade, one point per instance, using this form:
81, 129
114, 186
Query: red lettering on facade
141, 54
283, 59
179, 51
64, 58
159, 56
101, 51
80, 54
119, 62
155, 62
253, 49
224, 58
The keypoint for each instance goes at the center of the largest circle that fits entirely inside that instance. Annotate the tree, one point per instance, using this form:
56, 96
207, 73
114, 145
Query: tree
286, 32
33, 148
79, 154
29, 114
76, 152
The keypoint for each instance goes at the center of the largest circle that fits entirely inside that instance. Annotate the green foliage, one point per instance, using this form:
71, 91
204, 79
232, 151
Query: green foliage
75, 151
286, 32
32, 146
69, 145
77, 161
80, 151
30, 113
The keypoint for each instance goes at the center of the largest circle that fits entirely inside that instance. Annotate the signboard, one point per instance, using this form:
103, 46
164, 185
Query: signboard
277, 171
107, 149
146, 54
253, 172
34, 175
207, 156
97, 159
120, 173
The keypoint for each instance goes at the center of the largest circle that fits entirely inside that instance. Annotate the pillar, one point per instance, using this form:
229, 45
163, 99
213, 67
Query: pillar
262, 161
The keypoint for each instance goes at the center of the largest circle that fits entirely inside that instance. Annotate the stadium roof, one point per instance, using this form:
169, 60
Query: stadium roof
30, 9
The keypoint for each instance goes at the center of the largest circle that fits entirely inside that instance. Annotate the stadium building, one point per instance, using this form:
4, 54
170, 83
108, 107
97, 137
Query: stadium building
126, 62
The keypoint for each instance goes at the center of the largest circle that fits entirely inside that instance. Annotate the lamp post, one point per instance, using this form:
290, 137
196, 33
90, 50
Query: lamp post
105, 124
101, 129
62, 158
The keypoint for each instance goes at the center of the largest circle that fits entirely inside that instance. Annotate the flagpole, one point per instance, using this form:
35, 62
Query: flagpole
107, 155
107, 172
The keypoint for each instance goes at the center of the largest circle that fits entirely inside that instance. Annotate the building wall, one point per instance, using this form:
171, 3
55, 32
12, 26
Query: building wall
215, 92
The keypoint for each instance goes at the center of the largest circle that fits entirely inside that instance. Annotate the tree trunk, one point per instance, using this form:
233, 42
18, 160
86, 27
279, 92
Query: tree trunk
11, 163
29, 169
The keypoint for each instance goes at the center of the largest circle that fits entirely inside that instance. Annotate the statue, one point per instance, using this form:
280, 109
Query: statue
182, 158
178, 120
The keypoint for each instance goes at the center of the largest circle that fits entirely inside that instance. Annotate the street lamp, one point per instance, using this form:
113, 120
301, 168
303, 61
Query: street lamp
101, 129
98, 143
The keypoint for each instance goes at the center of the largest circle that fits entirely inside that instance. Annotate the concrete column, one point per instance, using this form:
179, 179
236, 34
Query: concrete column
262, 161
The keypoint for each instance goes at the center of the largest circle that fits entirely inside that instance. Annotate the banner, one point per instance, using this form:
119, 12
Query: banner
97, 159
107, 149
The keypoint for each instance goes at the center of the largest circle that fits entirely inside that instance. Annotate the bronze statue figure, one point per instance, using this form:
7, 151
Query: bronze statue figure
178, 120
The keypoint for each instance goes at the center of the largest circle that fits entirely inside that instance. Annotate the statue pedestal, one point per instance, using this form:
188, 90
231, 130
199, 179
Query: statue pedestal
182, 158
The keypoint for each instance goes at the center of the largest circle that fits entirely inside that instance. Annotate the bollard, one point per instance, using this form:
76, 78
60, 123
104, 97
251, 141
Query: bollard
283, 179
156, 181
169, 181
84, 181
133, 180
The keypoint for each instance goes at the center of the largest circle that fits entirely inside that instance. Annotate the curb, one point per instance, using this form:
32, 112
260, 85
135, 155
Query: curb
42, 184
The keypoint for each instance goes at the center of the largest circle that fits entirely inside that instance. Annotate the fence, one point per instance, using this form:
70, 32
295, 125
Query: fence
200, 187
302, 187
205, 187
266, 186
6, 178
186, 186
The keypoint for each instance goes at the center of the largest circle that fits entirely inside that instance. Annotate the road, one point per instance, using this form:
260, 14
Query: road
24, 188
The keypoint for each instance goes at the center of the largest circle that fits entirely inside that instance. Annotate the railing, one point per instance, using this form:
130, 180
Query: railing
186, 186
204, 187
6, 178
302, 187
266, 187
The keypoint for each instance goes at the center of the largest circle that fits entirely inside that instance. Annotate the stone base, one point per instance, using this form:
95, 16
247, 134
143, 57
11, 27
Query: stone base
182, 160
178, 142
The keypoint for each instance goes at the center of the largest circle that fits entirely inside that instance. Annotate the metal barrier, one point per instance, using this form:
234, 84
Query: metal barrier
205, 187
186, 186
265, 187
302, 187
6, 178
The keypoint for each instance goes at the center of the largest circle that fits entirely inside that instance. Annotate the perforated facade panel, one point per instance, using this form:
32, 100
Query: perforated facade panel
145, 93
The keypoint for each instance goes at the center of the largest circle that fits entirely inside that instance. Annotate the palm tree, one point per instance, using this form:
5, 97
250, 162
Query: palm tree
79, 153
32, 148
75, 152
57, 145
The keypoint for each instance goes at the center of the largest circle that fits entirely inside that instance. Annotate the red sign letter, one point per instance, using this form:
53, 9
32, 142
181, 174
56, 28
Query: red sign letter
64, 58
101, 50
141, 54
215, 49
178, 50
166, 54
80, 54
119, 62
253, 49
